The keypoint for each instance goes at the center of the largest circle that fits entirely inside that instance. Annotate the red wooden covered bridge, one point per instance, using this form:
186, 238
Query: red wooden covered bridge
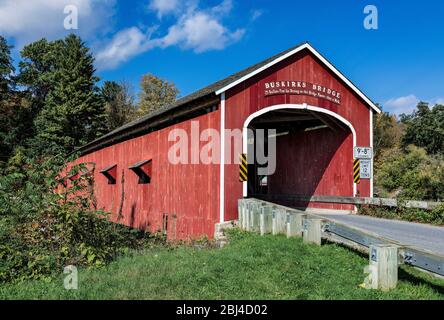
318, 115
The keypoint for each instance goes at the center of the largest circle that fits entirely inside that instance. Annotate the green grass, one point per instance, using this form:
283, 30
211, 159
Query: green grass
250, 267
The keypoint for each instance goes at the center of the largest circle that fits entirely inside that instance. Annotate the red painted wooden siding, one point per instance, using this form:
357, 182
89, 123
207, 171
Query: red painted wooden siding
191, 192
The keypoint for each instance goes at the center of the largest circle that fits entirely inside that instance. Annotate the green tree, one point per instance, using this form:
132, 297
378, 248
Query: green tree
425, 128
73, 112
387, 132
155, 93
10, 112
6, 69
119, 104
35, 81
39, 60
15, 124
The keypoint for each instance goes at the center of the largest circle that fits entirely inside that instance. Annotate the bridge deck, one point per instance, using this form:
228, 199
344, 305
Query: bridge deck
418, 235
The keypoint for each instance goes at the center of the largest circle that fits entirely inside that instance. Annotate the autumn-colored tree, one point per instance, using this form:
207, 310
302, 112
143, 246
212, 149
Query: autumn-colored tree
155, 93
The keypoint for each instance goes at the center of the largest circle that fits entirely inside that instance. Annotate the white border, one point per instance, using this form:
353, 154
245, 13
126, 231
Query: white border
222, 159
292, 52
291, 106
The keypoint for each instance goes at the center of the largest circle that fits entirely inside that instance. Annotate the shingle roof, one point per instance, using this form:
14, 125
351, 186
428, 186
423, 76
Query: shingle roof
124, 131
206, 91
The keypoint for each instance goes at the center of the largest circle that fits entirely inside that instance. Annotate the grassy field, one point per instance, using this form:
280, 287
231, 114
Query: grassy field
250, 267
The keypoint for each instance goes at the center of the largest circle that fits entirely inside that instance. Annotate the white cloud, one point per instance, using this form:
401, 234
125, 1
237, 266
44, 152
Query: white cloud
124, 45
28, 21
200, 32
163, 7
438, 101
223, 8
256, 14
407, 104
196, 29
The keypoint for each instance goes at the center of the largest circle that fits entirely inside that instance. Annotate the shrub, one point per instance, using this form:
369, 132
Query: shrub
435, 216
410, 174
44, 227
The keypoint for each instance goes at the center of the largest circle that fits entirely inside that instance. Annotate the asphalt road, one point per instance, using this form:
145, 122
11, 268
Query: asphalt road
418, 235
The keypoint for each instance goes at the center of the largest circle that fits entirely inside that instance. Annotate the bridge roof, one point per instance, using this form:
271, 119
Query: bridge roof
214, 89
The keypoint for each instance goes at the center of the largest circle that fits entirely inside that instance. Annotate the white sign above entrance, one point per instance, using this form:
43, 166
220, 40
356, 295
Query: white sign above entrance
362, 153
302, 88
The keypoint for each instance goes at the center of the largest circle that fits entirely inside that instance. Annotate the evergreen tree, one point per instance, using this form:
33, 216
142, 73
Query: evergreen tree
7, 105
73, 112
23, 105
6, 69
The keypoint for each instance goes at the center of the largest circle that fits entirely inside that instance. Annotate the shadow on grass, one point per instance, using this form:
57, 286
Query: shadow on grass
344, 246
404, 275
417, 280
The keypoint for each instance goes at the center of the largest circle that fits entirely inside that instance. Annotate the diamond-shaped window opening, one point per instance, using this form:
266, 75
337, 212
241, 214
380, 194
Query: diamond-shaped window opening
143, 170
110, 173
73, 176
75, 173
62, 181
82, 171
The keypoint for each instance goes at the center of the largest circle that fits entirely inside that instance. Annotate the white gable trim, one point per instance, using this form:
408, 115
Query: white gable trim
320, 57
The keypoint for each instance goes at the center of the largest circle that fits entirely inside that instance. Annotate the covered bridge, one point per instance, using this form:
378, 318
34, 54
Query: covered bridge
318, 115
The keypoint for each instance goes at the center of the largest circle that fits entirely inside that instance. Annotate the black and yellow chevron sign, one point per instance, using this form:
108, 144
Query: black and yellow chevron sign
243, 168
357, 171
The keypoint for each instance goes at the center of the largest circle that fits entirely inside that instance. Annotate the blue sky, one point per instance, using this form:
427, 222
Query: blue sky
194, 43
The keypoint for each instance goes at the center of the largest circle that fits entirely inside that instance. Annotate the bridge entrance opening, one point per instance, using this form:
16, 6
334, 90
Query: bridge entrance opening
313, 153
